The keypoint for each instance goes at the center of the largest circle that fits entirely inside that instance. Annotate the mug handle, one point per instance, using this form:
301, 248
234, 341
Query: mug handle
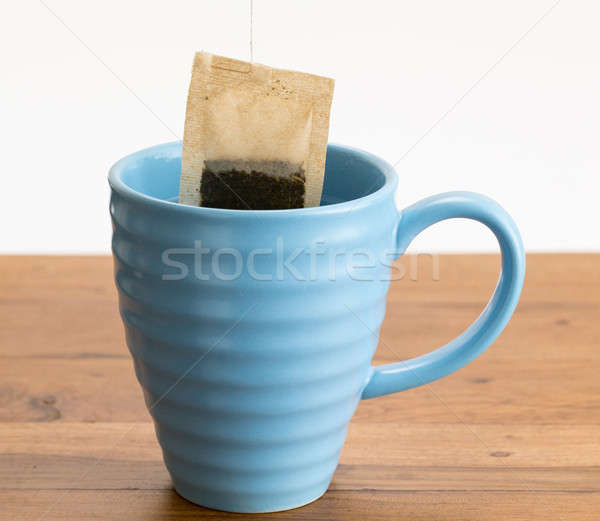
398, 376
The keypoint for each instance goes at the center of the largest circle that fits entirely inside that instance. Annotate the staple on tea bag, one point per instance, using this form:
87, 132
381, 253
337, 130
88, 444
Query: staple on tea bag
255, 137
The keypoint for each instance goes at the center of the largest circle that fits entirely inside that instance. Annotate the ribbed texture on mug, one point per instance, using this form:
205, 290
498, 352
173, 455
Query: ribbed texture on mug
251, 384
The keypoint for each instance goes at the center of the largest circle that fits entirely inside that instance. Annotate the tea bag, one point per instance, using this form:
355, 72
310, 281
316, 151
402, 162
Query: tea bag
255, 137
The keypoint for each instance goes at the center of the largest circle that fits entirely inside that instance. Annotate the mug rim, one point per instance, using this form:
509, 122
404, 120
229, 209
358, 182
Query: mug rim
119, 186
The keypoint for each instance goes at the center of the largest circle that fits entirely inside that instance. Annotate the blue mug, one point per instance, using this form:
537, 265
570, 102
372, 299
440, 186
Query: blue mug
252, 335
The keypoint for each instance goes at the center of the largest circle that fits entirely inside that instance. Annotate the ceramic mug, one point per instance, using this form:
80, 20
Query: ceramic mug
252, 335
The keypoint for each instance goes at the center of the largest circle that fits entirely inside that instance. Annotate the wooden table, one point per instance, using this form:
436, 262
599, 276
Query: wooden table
515, 435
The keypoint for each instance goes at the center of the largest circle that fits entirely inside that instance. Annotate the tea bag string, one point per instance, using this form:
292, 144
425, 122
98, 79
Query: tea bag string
251, 31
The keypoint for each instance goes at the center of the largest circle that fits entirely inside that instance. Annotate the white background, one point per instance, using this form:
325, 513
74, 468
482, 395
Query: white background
76, 96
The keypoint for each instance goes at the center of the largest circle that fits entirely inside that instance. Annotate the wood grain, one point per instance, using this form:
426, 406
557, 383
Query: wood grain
364, 505
424, 457
515, 435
